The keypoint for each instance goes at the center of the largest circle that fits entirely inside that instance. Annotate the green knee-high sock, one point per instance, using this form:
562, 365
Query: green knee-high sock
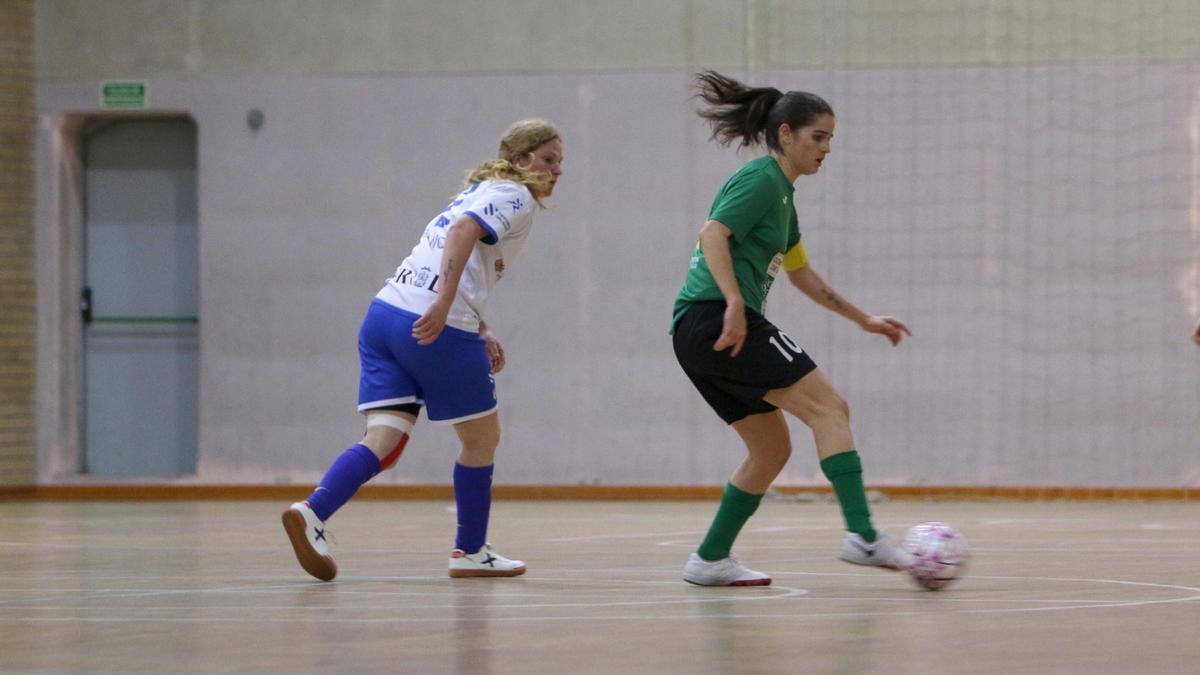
736, 508
844, 470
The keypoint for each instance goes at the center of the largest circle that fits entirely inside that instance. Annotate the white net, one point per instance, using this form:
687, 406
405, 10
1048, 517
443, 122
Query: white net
1018, 182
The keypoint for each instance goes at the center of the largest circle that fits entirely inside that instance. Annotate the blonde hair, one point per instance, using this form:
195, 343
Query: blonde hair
520, 140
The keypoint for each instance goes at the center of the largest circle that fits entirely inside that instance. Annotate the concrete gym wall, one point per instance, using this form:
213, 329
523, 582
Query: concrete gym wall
1015, 182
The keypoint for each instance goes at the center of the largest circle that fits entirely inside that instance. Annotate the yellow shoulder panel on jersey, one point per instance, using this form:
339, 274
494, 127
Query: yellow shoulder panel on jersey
795, 258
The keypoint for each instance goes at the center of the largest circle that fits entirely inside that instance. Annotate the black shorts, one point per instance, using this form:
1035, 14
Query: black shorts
735, 386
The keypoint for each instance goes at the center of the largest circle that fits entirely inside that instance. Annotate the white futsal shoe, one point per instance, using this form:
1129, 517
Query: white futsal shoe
723, 572
483, 563
307, 534
883, 552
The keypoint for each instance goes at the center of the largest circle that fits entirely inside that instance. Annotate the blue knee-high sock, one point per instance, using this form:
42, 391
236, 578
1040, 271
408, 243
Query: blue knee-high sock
473, 495
350, 470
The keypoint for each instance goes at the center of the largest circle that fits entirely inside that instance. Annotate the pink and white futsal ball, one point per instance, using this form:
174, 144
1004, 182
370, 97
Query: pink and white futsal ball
939, 554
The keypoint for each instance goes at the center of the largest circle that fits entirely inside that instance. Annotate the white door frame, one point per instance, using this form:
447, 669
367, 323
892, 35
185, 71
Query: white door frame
59, 277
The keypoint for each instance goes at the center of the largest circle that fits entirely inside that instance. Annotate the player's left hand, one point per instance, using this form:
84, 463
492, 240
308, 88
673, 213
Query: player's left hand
495, 352
887, 326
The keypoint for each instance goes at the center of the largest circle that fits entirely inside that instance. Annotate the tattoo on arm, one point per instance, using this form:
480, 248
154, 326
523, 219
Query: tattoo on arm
449, 271
832, 298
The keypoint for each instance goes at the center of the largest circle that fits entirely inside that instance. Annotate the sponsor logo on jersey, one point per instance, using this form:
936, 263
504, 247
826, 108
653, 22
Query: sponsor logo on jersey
423, 278
492, 211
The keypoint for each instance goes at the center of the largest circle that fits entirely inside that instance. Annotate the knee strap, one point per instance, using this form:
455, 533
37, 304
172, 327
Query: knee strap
387, 462
385, 419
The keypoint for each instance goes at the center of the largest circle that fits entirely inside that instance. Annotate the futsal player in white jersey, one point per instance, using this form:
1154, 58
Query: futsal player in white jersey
424, 343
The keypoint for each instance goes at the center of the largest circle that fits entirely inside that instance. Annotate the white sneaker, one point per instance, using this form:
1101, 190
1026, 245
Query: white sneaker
307, 534
483, 563
723, 572
883, 552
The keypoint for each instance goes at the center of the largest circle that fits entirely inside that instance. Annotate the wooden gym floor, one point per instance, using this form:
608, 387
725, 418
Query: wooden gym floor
1055, 587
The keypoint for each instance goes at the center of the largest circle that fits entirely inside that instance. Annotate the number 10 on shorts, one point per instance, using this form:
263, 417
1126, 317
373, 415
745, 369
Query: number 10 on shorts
790, 344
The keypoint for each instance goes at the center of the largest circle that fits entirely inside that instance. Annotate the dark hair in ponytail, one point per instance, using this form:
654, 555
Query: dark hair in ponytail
752, 115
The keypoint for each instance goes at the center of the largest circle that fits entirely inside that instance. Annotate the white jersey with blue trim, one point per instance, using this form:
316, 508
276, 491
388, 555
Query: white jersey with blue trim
504, 209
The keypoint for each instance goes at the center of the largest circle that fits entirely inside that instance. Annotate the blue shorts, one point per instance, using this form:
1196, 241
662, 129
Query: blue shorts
452, 377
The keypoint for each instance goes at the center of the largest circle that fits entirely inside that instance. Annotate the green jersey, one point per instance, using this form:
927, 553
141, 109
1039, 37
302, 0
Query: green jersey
756, 205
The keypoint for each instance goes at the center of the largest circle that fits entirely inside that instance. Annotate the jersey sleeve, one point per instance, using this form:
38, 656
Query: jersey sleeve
794, 256
743, 202
497, 206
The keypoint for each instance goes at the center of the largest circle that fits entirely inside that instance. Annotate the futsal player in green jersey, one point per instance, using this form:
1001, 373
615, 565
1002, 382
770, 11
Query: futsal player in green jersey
745, 368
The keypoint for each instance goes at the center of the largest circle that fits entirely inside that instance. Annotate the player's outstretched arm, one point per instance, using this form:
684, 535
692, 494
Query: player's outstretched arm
811, 284
1196, 333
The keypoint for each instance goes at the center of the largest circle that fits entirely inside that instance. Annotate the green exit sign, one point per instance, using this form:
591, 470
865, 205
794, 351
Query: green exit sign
124, 95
